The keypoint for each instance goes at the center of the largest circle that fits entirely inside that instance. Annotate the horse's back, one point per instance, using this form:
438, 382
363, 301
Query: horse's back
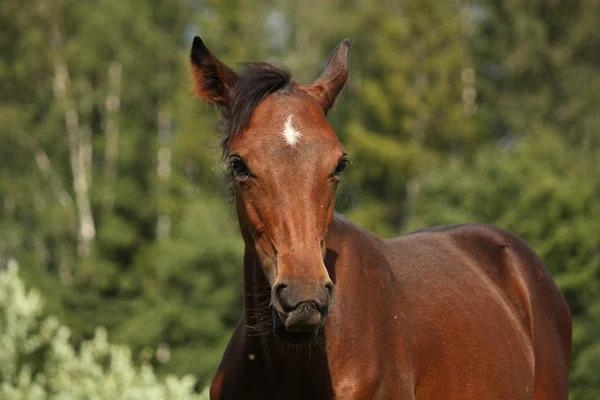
484, 313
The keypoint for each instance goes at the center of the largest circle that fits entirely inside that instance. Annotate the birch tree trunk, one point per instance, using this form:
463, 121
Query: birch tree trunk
111, 131
163, 224
47, 170
78, 144
85, 130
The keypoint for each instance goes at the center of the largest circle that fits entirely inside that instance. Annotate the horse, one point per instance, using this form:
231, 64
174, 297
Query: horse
456, 312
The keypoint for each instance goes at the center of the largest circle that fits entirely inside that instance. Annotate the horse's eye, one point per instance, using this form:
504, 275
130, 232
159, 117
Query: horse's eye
341, 166
238, 167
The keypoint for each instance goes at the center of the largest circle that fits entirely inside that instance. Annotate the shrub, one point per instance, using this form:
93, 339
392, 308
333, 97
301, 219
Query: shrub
37, 361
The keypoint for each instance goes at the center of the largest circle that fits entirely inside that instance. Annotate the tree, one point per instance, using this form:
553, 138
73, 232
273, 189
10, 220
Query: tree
537, 68
410, 103
102, 171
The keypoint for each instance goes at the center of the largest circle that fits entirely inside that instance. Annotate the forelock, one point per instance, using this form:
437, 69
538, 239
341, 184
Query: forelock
255, 81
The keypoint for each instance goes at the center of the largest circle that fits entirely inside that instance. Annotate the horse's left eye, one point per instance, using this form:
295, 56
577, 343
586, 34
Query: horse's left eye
341, 166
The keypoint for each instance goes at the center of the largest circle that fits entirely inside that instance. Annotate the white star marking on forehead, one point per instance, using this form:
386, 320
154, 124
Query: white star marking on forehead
290, 133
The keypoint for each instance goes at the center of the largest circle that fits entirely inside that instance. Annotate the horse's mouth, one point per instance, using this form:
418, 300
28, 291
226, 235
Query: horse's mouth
303, 335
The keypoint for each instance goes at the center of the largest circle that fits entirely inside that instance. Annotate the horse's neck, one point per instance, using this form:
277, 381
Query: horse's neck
256, 295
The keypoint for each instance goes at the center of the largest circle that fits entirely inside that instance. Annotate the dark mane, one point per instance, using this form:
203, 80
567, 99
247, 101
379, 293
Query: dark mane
255, 81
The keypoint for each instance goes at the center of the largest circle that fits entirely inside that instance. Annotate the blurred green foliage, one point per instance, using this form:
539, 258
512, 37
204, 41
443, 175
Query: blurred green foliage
111, 188
38, 362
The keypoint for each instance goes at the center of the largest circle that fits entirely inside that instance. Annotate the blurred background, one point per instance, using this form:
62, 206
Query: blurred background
112, 201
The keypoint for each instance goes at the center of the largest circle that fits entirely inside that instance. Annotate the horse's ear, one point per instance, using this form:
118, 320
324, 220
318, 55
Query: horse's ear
334, 77
213, 80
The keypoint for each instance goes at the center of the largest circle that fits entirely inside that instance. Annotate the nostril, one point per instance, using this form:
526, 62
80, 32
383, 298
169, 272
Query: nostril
329, 287
279, 288
280, 297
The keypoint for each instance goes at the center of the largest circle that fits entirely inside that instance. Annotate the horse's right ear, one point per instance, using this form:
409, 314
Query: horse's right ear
213, 80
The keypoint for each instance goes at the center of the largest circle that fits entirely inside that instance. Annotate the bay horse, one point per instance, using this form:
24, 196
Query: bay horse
459, 312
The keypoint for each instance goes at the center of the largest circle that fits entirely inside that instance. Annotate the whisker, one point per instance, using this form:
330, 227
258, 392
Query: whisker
309, 355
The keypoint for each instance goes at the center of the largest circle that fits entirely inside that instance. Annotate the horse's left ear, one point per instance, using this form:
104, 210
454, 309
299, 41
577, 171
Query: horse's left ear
213, 80
327, 86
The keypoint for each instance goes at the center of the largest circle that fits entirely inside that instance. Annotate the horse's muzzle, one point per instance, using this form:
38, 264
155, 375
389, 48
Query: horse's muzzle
305, 318
300, 325
299, 309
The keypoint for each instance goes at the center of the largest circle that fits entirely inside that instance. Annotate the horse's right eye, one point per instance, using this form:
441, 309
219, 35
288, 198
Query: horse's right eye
238, 167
